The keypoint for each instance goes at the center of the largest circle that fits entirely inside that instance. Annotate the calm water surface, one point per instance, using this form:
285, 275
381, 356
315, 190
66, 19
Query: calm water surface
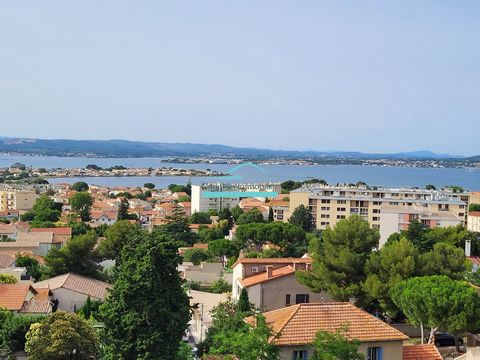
372, 175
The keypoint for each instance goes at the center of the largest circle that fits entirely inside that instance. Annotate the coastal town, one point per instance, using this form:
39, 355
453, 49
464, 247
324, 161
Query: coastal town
259, 256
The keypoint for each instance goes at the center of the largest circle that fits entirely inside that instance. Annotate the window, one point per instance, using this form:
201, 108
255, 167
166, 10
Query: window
254, 269
302, 298
300, 355
341, 201
340, 217
375, 353
325, 216
287, 299
341, 209
325, 201
264, 267
325, 208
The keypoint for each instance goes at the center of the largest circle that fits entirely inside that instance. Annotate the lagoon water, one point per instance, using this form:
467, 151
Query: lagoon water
372, 175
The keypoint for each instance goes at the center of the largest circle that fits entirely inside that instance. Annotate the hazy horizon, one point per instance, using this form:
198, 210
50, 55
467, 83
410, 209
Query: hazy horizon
372, 77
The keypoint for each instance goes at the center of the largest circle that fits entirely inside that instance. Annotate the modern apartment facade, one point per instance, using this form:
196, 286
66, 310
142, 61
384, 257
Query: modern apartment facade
389, 210
17, 199
218, 196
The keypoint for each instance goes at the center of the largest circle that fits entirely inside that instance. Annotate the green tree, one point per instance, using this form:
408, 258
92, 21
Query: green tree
123, 207
335, 346
291, 239
222, 247
116, 236
396, 261
200, 218
236, 212
197, 256
339, 259
430, 187
415, 234
147, 310
7, 279
80, 186
82, 202
445, 259
61, 336
76, 256
440, 303
303, 218
220, 286
13, 328
184, 352
184, 198
243, 304
473, 207
45, 212
34, 269
247, 343
226, 214
251, 216
270, 214
149, 185
177, 230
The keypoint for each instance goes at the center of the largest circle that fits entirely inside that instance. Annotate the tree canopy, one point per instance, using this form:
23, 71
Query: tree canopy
303, 218
82, 202
335, 346
116, 236
59, 336
439, 302
252, 216
339, 259
147, 311
290, 239
76, 256
80, 186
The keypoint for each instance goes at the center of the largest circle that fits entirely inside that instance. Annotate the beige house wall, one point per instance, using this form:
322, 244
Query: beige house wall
392, 350
67, 299
271, 295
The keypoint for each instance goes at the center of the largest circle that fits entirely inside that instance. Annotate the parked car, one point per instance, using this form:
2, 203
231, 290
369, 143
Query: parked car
445, 339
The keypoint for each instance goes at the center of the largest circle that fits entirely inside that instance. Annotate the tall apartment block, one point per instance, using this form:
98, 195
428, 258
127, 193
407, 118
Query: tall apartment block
389, 210
217, 196
17, 199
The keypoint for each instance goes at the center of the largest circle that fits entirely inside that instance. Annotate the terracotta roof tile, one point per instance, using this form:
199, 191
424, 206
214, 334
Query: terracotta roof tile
474, 213
82, 284
39, 304
298, 324
421, 352
262, 277
266, 261
55, 231
12, 296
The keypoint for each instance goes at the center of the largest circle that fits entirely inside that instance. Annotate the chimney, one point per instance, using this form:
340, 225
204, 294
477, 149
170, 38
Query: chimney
269, 271
468, 248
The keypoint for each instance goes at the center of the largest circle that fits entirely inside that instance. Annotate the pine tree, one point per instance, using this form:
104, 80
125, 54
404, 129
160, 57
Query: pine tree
147, 311
123, 210
243, 304
270, 215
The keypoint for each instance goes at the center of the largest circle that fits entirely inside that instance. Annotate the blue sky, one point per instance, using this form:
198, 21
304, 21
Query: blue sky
372, 76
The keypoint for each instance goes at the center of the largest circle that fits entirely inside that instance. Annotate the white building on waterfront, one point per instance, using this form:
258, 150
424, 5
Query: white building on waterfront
217, 196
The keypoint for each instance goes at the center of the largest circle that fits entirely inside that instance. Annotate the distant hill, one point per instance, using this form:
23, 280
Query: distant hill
125, 148
473, 158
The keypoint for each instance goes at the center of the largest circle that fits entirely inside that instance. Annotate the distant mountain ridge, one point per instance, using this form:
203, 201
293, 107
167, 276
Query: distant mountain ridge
126, 148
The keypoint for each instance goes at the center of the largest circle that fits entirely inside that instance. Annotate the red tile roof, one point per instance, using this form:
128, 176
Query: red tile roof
12, 296
298, 324
421, 352
262, 277
474, 213
266, 261
55, 231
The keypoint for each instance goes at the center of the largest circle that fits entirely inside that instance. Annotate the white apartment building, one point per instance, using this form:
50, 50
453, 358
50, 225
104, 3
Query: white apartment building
218, 196
389, 210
